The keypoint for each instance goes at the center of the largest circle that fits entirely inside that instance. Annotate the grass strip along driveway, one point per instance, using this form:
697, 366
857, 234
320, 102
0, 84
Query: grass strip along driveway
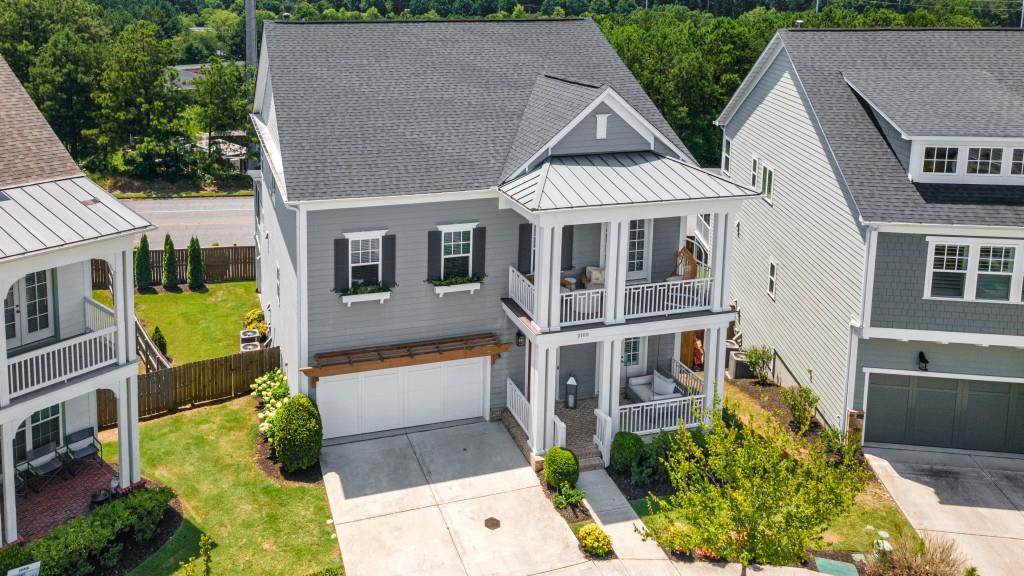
259, 526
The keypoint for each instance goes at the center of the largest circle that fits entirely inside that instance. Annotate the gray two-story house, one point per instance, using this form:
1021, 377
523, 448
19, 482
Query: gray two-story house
884, 264
456, 218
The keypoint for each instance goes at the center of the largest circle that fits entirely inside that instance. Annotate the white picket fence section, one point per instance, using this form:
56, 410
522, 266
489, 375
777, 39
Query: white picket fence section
690, 381
559, 432
61, 361
521, 290
603, 434
581, 307
517, 405
660, 298
652, 417
98, 316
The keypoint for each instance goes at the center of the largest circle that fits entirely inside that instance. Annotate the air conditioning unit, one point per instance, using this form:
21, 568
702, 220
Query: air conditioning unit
249, 340
250, 347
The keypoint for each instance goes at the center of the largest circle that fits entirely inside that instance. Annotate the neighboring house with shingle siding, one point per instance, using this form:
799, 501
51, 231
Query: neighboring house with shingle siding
457, 217
895, 230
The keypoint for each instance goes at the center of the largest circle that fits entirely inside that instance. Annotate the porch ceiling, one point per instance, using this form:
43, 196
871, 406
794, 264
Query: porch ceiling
407, 354
626, 178
58, 213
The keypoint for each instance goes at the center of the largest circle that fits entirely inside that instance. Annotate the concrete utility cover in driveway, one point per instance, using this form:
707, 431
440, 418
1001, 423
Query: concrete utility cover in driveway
417, 504
975, 500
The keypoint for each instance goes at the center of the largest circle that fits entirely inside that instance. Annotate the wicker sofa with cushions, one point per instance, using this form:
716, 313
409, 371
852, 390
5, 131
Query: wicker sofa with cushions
651, 387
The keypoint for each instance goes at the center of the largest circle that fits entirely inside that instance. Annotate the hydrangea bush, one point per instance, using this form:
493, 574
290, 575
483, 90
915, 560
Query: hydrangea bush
272, 391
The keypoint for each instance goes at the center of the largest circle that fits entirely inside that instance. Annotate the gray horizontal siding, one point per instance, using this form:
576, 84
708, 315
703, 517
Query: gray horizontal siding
414, 311
810, 232
582, 139
948, 358
579, 361
898, 300
665, 249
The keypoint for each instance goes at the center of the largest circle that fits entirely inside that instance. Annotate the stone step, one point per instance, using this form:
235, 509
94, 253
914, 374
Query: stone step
591, 463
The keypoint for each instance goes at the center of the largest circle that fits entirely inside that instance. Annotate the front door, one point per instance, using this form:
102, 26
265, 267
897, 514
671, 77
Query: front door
634, 356
28, 314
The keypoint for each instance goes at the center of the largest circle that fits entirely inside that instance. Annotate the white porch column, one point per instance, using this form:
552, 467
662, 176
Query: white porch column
620, 264
5, 392
124, 434
10, 512
133, 426
728, 221
611, 257
541, 273
614, 364
603, 376
555, 284
718, 233
714, 369
119, 304
538, 394
129, 307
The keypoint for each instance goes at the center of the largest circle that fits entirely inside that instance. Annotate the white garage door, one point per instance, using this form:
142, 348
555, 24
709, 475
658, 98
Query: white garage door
402, 397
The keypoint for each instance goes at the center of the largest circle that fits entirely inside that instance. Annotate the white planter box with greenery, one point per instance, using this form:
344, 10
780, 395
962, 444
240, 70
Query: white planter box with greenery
467, 287
348, 299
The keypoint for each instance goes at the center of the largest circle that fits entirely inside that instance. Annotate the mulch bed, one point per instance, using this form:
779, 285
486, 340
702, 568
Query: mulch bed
569, 514
769, 397
631, 492
273, 470
133, 556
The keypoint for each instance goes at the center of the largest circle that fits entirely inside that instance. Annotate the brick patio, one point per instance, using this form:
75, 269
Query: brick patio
61, 500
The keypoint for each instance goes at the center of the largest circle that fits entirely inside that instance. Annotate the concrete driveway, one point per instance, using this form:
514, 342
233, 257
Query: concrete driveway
977, 500
416, 504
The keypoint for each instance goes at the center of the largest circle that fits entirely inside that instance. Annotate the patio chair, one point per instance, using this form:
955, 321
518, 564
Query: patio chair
82, 446
44, 465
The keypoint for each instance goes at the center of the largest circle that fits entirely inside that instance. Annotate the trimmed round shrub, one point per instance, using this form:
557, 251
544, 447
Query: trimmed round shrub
561, 465
594, 541
627, 448
299, 434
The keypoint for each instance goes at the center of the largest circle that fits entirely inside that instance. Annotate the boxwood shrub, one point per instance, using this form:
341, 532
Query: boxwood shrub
93, 543
561, 465
627, 449
299, 434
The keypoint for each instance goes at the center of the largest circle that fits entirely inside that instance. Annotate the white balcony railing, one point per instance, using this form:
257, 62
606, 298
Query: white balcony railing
690, 381
581, 307
660, 298
704, 229
603, 434
69, 358
559, 431
653, 417
521, 290
517, 405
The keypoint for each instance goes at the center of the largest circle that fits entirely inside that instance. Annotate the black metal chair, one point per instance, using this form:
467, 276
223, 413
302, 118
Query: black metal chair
82, 446
44, 465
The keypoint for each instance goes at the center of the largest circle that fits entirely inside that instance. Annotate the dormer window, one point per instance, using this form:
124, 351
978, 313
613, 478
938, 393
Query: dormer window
983, 160
939, 160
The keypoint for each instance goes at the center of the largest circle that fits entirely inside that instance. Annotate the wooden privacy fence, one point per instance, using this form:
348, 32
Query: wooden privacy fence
222, 263
184, 386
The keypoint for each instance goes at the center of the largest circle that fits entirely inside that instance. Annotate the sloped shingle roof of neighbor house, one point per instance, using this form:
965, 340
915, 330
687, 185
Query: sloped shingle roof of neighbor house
408, 107
29, 150
824, 59
45, 200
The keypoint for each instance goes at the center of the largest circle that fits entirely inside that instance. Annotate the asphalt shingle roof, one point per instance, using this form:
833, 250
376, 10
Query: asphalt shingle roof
29, 150
409, 107
873, 174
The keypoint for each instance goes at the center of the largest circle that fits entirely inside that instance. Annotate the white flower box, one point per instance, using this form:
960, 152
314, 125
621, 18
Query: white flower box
348, 299
470, 287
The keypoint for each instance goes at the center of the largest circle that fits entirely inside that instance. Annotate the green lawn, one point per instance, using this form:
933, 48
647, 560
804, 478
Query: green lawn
258, 526
197, 325
847, 532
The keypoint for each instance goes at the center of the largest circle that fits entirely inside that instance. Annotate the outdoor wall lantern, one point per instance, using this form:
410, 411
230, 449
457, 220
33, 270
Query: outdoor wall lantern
571, 390
520, 339
922, 362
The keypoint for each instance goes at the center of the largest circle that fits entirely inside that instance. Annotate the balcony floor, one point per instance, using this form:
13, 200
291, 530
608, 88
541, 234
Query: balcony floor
61, 500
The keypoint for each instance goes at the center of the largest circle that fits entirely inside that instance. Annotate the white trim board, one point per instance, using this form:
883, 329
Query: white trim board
950, 375
940, 337
948, 229
401, 199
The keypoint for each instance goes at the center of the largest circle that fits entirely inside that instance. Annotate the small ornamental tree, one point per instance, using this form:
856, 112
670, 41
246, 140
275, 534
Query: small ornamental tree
159, 341
170, 264
754, 494
196, 272
143, 264
759, 360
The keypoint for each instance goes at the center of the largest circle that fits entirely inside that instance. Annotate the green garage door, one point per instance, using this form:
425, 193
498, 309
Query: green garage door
944, 412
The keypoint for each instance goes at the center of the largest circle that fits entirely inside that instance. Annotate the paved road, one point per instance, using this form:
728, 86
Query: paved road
228, 221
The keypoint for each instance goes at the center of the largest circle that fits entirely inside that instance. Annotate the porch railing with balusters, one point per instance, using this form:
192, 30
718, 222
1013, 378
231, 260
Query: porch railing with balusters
98, 316
690, 381
660, 298
521, 290
581, 307
559, 431
517, 405
602, 435
652, 417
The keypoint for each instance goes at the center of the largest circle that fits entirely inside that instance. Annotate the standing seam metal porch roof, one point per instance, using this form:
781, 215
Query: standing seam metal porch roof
616, 179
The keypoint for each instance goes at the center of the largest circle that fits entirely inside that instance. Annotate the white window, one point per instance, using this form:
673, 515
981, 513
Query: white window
995, 272
631, 352
940, 160
457, 253
533, 248
753, 173
602, 126
949, 270
45, 429
1017, 162
768, 183
637, 250
726, 154
771, 278
364, 260
984, 160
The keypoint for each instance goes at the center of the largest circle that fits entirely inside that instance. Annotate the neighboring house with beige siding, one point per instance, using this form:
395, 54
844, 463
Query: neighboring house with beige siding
885, 264
456, 218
